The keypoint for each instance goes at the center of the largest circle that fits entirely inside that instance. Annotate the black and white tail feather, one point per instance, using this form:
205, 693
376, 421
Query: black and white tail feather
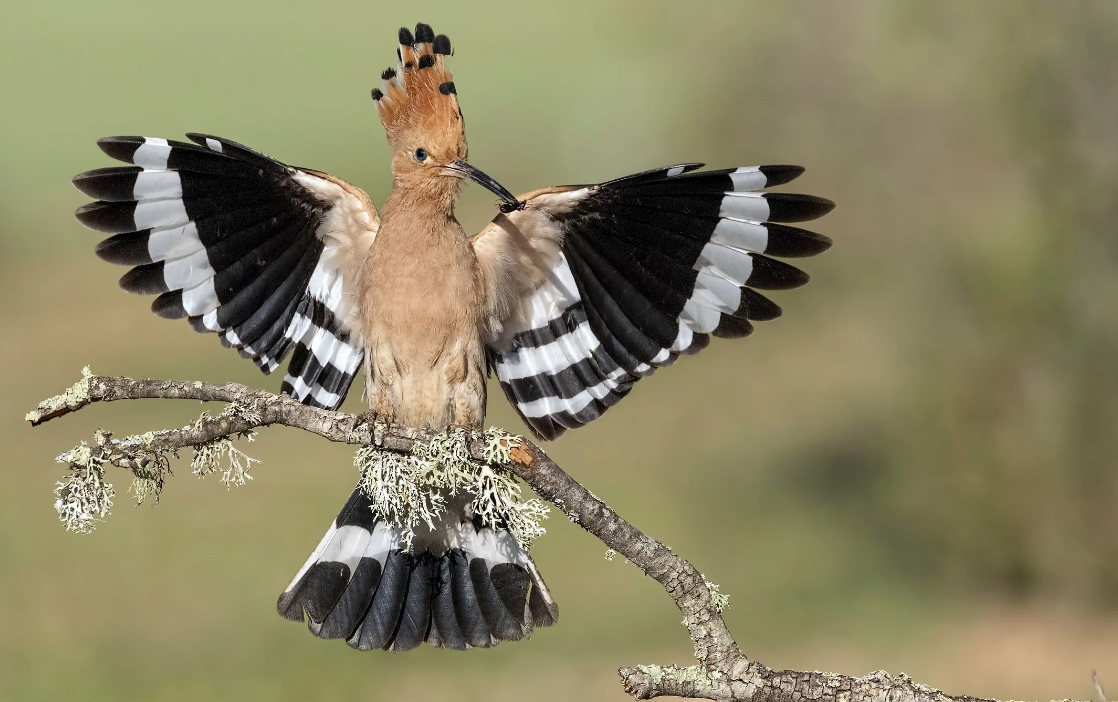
647, 267
472, 586
241, 245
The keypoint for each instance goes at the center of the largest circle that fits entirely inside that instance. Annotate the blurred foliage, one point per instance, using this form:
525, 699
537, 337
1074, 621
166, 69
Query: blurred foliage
931, 426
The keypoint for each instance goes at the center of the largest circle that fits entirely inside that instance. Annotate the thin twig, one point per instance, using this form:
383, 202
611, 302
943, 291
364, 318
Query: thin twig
1098, 686
722, 672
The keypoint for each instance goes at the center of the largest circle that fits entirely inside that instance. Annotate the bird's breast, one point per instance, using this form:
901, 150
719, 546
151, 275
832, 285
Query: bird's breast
420, 302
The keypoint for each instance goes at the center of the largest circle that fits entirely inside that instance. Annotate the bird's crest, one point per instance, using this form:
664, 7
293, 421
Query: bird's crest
417, 101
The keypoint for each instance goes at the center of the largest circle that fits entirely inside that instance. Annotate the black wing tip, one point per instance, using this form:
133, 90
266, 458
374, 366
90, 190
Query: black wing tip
426, 61
423, 33
732, 328
235, 150
103, 216
120, 147
206, 141
758, 308
780, 174
104, 183
442, 45
793, 242
699, 341
546, 432
771, 274
790, 207
824, 243
169, 305
405, 36
388, 74
145, 280
198, 324
544, 428
651, 175
129, 249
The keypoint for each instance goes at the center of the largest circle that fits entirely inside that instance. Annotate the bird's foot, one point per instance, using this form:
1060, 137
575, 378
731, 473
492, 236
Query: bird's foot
380, 425
470, 430
368, 418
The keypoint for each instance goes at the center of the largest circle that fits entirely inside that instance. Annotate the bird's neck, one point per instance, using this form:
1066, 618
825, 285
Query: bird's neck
423, 213
433, 196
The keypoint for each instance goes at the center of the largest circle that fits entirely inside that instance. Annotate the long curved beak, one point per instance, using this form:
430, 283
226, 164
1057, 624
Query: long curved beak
461, 169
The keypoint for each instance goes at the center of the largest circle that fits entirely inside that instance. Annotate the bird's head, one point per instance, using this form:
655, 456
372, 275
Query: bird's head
418, 105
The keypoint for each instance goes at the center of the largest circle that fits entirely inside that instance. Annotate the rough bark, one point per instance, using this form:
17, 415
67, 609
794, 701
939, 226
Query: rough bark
722, 671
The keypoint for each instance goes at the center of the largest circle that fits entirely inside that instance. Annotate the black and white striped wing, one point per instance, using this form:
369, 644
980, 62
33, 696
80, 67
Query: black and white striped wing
648, 268
241, 245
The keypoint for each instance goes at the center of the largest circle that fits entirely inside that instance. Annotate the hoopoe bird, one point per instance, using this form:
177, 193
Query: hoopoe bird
570, 296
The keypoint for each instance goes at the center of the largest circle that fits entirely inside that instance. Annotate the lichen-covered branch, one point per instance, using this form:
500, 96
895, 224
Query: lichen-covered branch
722, 672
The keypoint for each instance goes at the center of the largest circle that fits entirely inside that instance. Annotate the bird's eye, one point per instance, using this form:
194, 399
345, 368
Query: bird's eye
421, 154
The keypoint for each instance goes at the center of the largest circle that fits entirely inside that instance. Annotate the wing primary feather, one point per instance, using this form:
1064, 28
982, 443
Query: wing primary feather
639, 349
642, 313
275, 309
771, 274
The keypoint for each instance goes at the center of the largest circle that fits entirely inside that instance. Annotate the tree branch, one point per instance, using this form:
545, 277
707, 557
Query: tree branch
722, 672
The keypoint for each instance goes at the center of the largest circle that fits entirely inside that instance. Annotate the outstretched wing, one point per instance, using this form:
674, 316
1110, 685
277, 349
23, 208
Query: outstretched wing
593, 287
260, 252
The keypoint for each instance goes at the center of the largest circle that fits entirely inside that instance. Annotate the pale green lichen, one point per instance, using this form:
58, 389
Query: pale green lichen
85, 497
236, 409
208, 456
691, 674
497, 500
148, 477
717, 599
410, 490
499, 445
655, 672
143, 488
149, 466
75, 396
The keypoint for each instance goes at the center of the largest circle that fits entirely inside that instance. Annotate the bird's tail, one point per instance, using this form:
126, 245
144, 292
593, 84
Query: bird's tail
469, 586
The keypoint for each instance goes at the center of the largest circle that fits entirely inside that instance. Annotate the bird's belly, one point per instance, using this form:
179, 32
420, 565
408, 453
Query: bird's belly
431, 375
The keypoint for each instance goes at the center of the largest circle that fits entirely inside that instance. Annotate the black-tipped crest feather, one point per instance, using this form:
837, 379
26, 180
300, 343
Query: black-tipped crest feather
424, 33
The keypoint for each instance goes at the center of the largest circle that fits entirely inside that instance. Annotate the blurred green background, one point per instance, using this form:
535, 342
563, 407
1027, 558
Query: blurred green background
915, 469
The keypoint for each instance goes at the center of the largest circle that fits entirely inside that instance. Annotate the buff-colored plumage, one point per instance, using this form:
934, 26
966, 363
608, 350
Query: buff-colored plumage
420, 285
